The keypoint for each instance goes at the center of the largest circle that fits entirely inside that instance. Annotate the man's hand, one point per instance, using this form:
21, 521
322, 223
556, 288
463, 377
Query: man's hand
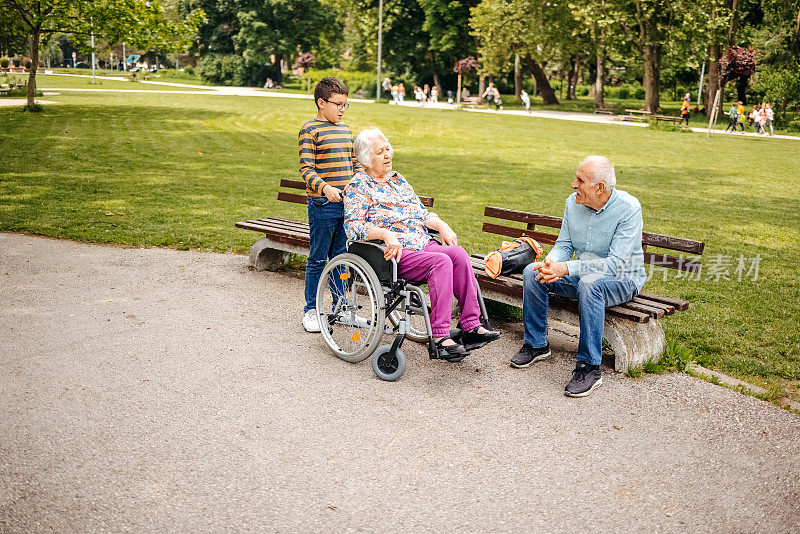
447, 234
393, 247
331, 193
550, 271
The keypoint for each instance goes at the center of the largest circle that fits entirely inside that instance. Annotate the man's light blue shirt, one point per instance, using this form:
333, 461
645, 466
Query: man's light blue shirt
606, 242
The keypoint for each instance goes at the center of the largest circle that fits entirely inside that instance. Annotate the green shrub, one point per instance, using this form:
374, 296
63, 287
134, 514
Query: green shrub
189, 70
4, 61
623, 93
354, 80
218, 69
639, 94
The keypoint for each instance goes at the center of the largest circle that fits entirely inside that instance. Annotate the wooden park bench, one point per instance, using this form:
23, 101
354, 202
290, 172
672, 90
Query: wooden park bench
666, 118
632, 329
472, 102
638, 115
282, 236
604, 110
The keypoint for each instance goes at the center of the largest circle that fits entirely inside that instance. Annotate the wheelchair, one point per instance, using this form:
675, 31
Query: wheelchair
360, 298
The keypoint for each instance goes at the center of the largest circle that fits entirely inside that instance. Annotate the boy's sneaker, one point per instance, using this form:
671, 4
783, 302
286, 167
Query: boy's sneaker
585, 378
528, 355
310, 321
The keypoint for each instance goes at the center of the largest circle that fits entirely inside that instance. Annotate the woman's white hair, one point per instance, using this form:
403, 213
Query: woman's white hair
600, 169
363, 147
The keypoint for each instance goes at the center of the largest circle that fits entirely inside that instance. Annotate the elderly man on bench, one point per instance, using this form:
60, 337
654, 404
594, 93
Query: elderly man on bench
602, 228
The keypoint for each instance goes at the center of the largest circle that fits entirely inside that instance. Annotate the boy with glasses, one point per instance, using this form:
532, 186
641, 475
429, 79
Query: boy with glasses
327, 163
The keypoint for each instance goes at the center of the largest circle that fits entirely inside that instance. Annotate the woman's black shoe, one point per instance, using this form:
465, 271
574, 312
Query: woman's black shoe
472, 340
451, 353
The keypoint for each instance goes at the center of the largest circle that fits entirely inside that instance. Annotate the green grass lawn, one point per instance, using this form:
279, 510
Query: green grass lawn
179, 170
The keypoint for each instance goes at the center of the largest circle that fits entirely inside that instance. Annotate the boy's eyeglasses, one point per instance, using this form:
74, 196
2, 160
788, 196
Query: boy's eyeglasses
341, 107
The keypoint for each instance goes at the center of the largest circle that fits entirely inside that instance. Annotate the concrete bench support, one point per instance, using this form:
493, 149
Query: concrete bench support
267, 254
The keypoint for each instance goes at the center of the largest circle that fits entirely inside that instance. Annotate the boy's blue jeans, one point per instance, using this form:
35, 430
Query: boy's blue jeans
594, 295
326, 223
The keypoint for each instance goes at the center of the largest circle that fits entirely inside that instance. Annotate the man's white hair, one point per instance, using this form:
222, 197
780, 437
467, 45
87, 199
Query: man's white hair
600, 169
363, 147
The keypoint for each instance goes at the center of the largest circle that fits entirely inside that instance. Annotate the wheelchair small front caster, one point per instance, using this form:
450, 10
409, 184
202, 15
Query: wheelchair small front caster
388, 365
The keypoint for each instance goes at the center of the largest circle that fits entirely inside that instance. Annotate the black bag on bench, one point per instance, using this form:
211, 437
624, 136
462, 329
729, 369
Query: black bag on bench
512, 257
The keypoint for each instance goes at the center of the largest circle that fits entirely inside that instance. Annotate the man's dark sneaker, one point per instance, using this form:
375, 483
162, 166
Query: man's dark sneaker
585, 378
528, 355
472, 340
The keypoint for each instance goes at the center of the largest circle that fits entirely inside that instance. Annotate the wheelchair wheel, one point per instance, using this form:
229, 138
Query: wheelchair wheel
350, 307
388, 366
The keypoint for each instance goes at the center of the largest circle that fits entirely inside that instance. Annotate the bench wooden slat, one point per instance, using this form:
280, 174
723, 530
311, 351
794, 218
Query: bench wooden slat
666, 308
279, 236
673, 243
297, 226
522, 216
300, 184
680, 305
671, 262
280, 226
510, 231
656, 313
292, 197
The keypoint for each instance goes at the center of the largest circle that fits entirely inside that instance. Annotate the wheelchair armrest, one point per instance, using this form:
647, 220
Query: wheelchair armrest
434, 235
372, 252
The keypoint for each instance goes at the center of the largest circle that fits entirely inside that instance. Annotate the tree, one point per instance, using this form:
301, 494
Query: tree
277, 29
447, 24
140, 22
532, 29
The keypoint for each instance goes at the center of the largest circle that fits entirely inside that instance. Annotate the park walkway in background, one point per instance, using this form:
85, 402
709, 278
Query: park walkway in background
249, 91
152, 390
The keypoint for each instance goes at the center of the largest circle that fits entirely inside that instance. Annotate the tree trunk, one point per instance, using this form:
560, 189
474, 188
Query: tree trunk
517, 77
436, 80
573, 78
481, 84
734, 26
713, 78
278, 70
548, 95
741, 89
598, 80
34, 42
652, 77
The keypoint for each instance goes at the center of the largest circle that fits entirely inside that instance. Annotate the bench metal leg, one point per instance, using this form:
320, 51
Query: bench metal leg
263, 257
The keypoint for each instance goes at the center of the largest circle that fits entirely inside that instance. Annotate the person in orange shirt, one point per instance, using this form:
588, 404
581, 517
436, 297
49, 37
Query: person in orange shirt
685, 111
740, 109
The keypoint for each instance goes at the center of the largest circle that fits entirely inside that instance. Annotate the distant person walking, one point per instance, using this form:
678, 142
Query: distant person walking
526, 100
395, 94
434, 94
401, 91
755, 115
387, 87
685, 110
419, 95
733, 116
770, 115
488, 94
740, 110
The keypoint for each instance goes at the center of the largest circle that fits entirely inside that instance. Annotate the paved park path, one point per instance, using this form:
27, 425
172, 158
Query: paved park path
183, 88
158, 390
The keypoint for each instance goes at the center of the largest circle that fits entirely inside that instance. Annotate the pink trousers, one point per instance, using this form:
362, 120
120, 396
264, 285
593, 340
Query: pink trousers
448, 272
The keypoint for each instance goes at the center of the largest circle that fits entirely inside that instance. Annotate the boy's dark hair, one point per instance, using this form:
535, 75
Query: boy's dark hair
329, 86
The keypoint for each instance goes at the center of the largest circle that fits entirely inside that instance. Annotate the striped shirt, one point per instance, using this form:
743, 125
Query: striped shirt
326, 155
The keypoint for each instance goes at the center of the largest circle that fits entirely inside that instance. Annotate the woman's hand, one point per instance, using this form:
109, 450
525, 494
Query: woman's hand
393, 247
448, 236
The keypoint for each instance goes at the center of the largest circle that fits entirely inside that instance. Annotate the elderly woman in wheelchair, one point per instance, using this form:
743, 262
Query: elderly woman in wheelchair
393, 251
